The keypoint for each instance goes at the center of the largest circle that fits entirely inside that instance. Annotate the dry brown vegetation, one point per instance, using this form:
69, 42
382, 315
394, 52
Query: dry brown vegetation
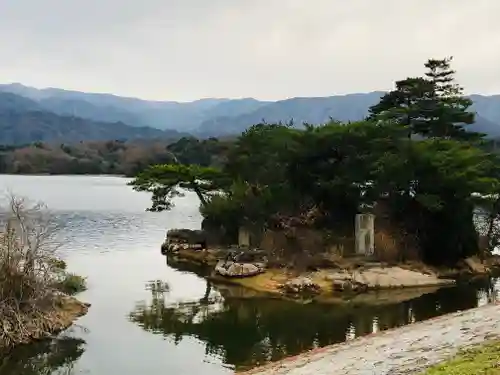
111, 157
31, 306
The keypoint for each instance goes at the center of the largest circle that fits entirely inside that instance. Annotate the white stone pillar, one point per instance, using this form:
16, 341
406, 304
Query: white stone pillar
365, 234
243, 237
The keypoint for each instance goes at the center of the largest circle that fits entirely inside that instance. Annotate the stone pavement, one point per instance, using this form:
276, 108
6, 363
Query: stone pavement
406, 350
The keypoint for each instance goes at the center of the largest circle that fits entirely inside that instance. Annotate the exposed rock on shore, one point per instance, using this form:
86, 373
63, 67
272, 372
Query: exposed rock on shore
300, 285
32, 328
380, 277
234, 269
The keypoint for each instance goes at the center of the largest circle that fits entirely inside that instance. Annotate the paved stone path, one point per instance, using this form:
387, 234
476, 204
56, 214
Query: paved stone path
407, 350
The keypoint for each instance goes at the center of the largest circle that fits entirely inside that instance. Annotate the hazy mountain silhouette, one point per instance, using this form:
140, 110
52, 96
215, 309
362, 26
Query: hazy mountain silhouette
211, 117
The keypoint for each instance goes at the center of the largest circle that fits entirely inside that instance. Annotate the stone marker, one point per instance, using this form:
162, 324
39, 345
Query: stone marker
365, 234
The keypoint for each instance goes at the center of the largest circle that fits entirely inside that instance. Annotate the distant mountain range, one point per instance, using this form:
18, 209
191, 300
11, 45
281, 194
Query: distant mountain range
71, 115
24, 121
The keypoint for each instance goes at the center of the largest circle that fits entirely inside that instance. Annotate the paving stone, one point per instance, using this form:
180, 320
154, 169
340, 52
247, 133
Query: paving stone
402, 351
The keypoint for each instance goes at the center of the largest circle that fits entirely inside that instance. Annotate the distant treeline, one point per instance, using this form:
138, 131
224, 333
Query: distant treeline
119, 157
108, 157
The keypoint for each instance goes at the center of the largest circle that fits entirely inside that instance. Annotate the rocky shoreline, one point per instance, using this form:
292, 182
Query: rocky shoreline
67, 311
269, 284
401, 351
318, 285
328, 277
322, 283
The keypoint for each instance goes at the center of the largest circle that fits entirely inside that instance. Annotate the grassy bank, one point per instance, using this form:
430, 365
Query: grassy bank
484, 359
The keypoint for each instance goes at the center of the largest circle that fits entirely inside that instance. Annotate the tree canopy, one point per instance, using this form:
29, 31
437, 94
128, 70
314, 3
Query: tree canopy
432, 106
321, 176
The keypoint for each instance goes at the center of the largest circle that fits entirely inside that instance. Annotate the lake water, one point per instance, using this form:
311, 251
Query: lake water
136, 325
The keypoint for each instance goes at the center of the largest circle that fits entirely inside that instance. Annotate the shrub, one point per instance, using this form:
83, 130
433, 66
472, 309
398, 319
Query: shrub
29, 304
71, 284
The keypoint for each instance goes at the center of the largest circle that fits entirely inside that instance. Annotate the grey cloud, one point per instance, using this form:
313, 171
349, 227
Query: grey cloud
186, 49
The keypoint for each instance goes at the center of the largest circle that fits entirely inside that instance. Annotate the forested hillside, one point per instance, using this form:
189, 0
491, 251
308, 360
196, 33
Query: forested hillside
22, 121
216, 117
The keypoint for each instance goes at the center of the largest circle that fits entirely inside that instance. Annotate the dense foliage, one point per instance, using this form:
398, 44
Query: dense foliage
433, 106
321, 176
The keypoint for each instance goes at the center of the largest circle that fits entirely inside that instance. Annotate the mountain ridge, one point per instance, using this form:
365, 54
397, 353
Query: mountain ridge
23, 121
219, 116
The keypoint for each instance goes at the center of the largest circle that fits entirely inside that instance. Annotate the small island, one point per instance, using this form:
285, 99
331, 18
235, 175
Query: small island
409, 197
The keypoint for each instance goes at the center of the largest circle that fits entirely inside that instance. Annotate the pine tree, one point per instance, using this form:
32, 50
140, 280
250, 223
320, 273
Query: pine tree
405, 105
432, 106
448, 110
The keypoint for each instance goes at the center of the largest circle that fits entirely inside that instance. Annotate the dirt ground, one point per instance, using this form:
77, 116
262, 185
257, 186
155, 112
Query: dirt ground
407, 350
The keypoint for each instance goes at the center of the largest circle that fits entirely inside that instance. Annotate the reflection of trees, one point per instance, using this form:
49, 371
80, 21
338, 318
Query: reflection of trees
487, 289
56, 357
245, 332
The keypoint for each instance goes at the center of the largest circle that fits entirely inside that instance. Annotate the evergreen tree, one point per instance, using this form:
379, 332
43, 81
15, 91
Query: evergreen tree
406, 105
433, 106
449, 108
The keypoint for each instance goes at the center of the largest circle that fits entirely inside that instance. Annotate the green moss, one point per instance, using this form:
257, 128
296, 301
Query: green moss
478, 361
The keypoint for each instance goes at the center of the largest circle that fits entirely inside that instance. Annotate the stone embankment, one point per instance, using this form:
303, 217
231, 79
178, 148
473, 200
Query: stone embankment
407, 350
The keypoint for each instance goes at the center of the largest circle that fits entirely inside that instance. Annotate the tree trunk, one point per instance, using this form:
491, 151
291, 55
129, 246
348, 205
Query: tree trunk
198, 192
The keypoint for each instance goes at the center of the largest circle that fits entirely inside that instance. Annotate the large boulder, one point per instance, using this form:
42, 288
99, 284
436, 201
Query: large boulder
255, 256
247, 256
235, 269
301, 285
181, 239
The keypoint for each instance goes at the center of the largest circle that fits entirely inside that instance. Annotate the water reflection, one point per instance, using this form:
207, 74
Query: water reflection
249, 332
55, 357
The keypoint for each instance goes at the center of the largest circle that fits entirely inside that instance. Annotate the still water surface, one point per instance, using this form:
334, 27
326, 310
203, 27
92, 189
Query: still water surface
150, 318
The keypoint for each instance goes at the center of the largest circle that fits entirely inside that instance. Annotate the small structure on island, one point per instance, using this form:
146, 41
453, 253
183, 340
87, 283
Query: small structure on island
365, 234
243, 237
182, 239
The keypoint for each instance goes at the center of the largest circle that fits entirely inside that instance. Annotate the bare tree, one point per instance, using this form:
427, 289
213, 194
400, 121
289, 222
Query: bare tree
29, 271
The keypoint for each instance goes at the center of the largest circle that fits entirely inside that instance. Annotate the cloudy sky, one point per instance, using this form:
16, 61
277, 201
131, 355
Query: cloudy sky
269, 49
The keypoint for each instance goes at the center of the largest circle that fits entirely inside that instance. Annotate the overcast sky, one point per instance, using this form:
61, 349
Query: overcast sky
268, 49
